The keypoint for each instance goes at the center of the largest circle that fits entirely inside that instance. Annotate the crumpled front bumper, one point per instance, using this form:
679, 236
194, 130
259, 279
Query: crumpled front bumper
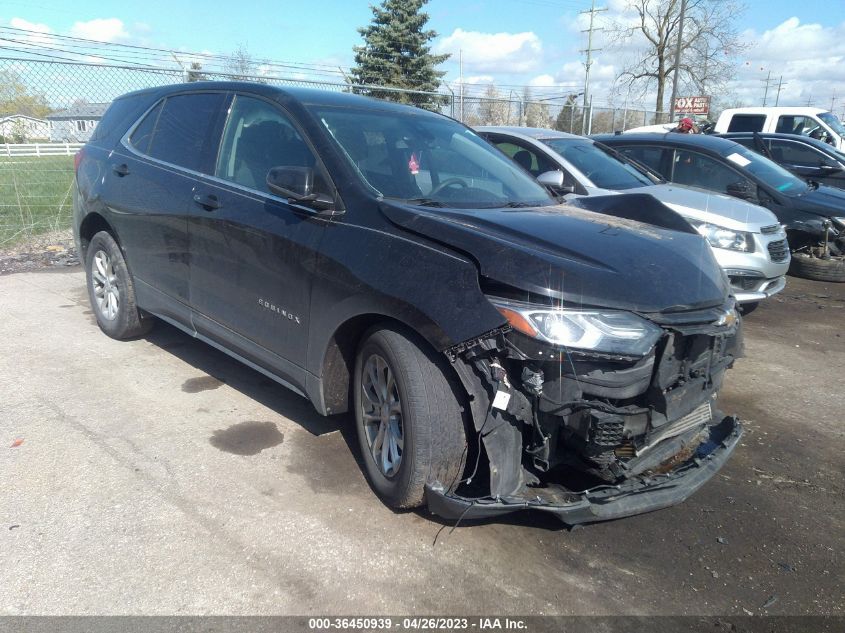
603, 503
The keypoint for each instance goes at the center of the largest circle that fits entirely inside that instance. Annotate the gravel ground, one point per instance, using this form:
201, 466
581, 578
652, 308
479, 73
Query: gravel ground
158, 476
51, 250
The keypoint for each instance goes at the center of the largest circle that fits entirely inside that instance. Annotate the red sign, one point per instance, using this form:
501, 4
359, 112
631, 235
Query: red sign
692, 105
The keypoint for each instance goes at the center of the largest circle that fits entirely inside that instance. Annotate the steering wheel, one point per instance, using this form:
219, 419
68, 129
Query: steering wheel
447, 183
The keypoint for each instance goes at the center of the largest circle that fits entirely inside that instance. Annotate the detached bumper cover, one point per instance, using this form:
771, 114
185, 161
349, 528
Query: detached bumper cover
603, 503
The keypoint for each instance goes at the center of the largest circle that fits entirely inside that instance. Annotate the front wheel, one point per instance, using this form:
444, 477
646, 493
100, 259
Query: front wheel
408, 417
111, 291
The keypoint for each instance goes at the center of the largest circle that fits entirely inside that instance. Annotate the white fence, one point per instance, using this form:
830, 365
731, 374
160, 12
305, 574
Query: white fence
39, 149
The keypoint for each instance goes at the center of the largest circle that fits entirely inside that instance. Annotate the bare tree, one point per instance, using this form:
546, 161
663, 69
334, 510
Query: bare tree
240, 65
710, 44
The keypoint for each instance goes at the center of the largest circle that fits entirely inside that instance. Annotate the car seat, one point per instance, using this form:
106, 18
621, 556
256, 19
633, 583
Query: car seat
524, 159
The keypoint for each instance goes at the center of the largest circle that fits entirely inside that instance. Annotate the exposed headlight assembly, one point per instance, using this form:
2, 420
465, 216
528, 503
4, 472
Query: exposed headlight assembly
606, 331
720, 237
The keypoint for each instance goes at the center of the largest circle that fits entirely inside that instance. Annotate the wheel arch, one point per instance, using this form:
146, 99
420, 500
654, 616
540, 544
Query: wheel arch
338, 359
92, 224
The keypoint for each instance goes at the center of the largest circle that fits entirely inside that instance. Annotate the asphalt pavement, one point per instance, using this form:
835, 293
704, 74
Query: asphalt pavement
158, 476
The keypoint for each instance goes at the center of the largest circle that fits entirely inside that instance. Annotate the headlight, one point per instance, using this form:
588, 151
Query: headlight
608, 331
720, 237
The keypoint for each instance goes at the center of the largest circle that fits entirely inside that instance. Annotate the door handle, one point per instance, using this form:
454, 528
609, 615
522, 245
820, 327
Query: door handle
209, 202
121, 170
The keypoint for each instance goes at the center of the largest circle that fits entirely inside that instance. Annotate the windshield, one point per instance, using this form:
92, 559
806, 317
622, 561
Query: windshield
598, 164
833, 122
765, 170
427, 159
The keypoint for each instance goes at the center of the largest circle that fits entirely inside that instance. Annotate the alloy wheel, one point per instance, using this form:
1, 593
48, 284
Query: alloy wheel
381, 410
104, 282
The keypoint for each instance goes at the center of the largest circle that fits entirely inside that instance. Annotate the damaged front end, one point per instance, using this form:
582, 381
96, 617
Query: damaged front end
592, 415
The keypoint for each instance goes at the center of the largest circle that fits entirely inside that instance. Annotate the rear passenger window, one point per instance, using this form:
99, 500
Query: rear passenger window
257, 138
178, 131
651, 157
747, 123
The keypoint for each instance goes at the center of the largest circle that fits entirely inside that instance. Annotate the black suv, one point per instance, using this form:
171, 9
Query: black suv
384, 259
812, 214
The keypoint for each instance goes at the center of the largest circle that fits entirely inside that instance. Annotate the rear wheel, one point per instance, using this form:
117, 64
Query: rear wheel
817, 268
408, 416
111, 291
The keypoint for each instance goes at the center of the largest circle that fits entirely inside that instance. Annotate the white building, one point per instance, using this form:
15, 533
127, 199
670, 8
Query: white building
31, 128
76, 123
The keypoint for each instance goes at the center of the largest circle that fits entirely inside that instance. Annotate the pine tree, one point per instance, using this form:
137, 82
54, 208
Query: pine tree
396, 54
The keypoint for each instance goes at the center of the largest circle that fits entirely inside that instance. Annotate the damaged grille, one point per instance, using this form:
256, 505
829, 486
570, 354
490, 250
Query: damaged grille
778, 251
698, 417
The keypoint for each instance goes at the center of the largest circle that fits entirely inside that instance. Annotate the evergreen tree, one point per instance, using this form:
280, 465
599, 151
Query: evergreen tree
396, 53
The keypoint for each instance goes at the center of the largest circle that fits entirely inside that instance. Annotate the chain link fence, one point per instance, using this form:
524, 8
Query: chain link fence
48, 106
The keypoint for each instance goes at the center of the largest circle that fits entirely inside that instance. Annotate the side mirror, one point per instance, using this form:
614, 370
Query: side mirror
552, 179
554, 182
297, 184
743, 190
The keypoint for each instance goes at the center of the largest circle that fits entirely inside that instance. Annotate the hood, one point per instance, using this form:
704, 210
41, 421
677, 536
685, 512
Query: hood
716, 208
598, 258
826, 201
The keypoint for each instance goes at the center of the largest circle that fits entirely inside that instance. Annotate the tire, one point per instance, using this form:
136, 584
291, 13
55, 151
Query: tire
817, 269
111, 291
429, 425
747, 308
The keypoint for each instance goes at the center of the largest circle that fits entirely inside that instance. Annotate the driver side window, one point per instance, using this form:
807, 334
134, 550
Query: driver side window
257, 138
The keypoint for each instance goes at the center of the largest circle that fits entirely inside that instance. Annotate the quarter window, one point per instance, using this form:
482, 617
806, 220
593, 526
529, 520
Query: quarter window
257, 138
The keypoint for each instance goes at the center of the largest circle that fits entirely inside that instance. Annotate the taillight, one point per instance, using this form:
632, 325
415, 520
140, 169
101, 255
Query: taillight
77, 158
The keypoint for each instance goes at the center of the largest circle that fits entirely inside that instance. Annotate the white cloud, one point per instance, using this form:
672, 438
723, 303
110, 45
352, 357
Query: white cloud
100, 29
810, 57
20, 23
479, 79
40, 33
493, 52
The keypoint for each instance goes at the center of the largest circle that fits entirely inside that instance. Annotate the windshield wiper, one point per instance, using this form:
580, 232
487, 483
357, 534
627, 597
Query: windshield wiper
425, 202
519, 205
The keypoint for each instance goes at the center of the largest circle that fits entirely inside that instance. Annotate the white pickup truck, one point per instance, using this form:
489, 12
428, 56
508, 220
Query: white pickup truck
815, 122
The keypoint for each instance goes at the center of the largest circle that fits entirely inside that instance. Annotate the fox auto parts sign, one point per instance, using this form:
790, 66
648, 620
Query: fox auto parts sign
692, 105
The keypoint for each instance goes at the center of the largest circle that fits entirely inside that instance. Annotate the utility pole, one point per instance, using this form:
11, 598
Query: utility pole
780, 85
833, 100
678, 50
461, 73
767, 81
589, 51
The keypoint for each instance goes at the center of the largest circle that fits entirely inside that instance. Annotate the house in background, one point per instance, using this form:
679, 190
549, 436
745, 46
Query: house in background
76, 123
14, 127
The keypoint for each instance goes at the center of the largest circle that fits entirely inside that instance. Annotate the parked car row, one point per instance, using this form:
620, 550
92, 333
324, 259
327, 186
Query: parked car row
497, 348
747, 240
812, 214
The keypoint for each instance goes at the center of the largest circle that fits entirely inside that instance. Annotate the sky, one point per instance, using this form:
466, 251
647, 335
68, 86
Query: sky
510, 42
